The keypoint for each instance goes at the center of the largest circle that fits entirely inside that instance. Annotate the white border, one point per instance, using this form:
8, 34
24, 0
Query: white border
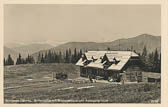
164, 48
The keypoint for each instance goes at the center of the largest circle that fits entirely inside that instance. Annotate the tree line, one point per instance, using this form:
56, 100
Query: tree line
58, 57
49, 57
150, 61
8, 61
28, 60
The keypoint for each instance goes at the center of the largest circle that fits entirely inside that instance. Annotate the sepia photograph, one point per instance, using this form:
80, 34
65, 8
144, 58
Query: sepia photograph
82, 53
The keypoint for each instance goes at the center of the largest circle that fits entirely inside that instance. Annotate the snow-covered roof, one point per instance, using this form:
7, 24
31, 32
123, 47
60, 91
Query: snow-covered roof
121, 57
94, 54
96, 64
120, 65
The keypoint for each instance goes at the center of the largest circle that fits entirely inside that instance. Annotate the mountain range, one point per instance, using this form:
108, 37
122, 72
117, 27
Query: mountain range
137, 43
24, 50
32, 48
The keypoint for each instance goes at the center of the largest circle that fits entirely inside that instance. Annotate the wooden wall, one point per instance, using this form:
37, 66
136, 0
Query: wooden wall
133, 74
151, 77
83, 72
86, 71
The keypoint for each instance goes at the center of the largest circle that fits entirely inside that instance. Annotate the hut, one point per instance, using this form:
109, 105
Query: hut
116, 65
151, 77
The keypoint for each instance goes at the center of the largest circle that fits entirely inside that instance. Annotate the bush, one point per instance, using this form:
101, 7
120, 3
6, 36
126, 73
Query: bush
147, 87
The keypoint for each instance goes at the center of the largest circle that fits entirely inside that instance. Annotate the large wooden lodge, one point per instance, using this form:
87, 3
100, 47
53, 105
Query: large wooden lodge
117, 65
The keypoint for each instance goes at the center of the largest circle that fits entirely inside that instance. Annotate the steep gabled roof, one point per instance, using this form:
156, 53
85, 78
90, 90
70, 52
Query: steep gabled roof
96, 64
119, 65
121, 57
95, 57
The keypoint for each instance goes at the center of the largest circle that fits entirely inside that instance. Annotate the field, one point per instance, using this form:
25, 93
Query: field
32, 83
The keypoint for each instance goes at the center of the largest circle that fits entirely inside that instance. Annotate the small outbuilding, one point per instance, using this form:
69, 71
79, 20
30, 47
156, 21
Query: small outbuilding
151, 77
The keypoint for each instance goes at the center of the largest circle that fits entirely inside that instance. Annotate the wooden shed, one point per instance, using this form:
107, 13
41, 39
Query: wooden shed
151, 77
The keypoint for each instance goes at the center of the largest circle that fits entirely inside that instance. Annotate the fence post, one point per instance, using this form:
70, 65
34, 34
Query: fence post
52, 75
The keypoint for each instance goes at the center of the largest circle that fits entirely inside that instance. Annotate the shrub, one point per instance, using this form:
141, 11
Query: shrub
147, 87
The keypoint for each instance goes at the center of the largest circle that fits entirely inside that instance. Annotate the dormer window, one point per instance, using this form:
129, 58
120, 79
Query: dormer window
86, 62
116, 61
83, 57
104, 58
93, 59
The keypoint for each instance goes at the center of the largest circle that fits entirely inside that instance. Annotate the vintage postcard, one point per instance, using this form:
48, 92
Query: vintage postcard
82, 53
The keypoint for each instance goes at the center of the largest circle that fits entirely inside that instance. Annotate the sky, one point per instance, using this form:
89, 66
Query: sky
79, 23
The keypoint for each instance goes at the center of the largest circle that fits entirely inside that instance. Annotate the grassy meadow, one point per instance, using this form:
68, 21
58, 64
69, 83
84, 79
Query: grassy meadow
32, 83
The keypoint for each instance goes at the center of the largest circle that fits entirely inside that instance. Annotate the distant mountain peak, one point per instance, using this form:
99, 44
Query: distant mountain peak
146, 35
138, 43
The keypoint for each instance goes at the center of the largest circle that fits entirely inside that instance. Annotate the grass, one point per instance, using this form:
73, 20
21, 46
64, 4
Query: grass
50, 92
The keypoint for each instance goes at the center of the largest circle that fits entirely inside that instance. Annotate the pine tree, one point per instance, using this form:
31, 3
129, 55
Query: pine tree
28, 59
159, 69
46, 58
66, 57
42, 59
156, 55
69, 56
9, 61
74, 56
49, 56
23, 61
157, 66
56, 59
144, 52
144, 55
39, 58
151, 58
160, 57
75, 52
79, 55
32, 61
52, 57
61, 57
19, 60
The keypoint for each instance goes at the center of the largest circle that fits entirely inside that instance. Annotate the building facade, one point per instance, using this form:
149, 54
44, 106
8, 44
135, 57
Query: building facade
114, 65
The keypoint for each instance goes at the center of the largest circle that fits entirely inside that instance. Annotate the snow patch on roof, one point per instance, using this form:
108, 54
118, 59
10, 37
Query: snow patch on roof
95, 58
